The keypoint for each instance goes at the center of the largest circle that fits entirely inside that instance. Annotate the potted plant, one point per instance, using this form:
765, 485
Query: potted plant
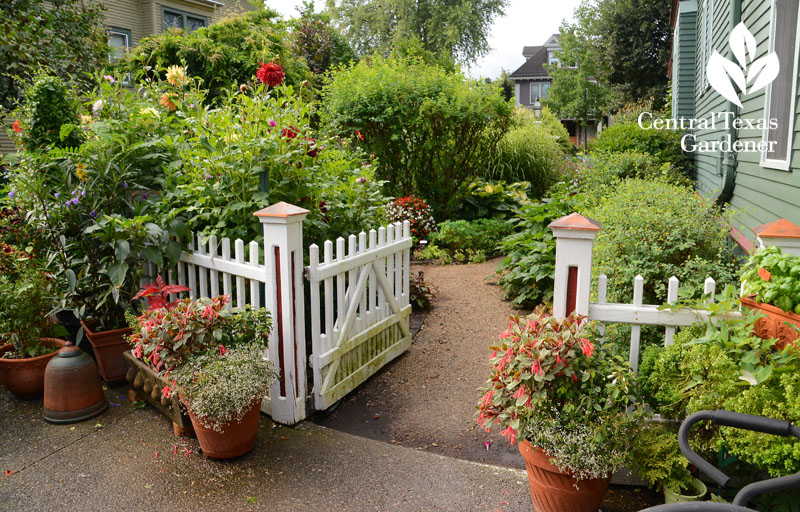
772, 287
566, 399
24, 350
657, 458
185, 345
93, 206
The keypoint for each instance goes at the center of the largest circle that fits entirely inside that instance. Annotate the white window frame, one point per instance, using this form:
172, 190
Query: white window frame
531, 97
706, 43
165, 9
120, 32
782, 165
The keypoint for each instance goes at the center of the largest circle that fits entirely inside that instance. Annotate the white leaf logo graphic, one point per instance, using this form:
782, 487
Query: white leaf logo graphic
722, 73
770, 66
717, 73
741, 37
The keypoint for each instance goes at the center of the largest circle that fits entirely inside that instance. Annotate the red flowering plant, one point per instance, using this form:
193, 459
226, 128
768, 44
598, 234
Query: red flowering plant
553, 385
167, 338
416, 212
157, 294
270, 74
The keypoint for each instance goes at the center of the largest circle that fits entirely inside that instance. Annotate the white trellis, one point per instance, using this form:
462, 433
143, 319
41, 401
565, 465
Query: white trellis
359, 308
575, 236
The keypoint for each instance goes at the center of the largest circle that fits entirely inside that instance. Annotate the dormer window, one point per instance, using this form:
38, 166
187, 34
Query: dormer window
551, 57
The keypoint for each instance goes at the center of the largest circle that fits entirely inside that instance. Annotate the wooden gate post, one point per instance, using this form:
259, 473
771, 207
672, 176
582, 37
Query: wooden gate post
574, 236
283, 262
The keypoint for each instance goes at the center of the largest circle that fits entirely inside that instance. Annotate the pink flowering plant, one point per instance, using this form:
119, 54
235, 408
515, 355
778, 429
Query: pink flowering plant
167, 338
416, 211
553, 384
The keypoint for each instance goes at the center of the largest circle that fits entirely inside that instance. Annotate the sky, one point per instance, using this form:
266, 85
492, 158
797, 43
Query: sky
526, 23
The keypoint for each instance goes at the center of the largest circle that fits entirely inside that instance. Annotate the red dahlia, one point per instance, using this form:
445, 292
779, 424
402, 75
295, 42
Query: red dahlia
270, 74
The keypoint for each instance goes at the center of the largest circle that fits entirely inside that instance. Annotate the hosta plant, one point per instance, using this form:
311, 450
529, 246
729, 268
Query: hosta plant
552, 385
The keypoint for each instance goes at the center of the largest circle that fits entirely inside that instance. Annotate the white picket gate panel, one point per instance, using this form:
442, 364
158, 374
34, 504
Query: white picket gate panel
359, 308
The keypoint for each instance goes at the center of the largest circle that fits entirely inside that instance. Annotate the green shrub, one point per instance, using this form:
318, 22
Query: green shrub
219, 54
461, 236
658, 230
526, 273
226, 152
663, 145
432, 130
49, 105
602, 172
431, 252
548, 121
527, 153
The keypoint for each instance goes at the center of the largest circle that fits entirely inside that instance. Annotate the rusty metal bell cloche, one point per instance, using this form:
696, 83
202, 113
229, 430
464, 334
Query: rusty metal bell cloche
72, 388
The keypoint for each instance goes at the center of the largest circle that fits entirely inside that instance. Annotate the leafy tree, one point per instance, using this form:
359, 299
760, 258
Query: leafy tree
575, 92
66, 36
458, 29
630, 41
318, 41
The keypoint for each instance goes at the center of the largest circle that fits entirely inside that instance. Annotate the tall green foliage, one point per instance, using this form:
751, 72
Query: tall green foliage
432, 131
224, 54
456, 30
316, 40
66, 36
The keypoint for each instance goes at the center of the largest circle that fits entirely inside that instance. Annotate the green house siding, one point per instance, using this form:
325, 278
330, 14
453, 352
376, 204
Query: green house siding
760, 194
684, 59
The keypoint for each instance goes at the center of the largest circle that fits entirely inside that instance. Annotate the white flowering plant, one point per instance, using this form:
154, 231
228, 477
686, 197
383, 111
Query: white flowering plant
554, 386
220, 389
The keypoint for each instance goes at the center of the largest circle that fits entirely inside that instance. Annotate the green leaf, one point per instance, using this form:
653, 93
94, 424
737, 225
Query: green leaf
154, 255
71, 279
122, 249
117, 273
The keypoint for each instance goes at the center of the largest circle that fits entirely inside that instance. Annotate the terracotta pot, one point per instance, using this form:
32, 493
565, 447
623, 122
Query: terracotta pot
773, 326
25, 377
555, 491
108, 347
235, 439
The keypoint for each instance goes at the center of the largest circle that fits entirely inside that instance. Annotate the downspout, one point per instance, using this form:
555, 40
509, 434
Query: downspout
728, 163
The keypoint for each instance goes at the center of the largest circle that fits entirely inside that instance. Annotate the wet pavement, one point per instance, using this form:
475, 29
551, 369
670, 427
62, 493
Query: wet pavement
129, 459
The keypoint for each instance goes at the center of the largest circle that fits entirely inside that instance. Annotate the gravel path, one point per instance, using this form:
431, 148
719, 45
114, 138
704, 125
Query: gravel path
426, 398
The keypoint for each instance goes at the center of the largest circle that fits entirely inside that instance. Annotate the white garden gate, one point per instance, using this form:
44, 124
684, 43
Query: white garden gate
365, 296
359, 302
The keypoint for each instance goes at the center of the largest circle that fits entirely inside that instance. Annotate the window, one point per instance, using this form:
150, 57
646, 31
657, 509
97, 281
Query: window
539, 91
119, 39
779, 98
551, 57
173, 18
706, 42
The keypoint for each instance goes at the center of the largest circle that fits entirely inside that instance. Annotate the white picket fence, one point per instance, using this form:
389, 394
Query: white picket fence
575, 236
359, 320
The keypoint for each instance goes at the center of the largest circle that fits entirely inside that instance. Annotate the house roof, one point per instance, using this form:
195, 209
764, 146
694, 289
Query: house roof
534, 66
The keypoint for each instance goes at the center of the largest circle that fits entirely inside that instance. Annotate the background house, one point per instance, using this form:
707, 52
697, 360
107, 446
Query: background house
532, 83
764, 186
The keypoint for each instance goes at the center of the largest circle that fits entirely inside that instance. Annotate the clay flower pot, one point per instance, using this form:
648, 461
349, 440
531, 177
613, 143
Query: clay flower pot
108, 347
25, 377
236, 438
773, 326
555, 491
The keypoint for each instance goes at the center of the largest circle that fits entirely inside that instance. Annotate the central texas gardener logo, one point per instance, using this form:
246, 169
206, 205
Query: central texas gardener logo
722, 74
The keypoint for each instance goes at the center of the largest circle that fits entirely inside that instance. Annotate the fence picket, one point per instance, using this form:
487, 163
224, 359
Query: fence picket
255, 299
239, 255
362, 306
636, 330
226, 277
203, 272
328, 258
602, 294
672, 298
406, 279
190, 268
213, 251
398, 263
389, 267
316, 339
709, 287
379, 311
